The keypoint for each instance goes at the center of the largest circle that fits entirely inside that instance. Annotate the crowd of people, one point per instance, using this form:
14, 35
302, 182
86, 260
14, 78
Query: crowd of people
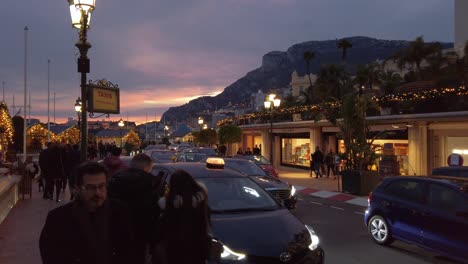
320, 164
121, 214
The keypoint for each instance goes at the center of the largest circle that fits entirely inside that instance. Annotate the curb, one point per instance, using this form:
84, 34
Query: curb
336, 196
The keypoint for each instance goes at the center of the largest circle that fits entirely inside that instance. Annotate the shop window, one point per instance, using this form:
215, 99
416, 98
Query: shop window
295, 151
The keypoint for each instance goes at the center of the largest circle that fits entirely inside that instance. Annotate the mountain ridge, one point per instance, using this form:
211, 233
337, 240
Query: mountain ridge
277, 67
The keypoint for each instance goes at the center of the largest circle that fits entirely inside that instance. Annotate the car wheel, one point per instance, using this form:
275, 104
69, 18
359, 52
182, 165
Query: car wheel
379, 230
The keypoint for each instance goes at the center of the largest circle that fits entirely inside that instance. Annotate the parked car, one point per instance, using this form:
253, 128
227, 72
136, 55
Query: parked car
282, 191
253, 227
431, 212
262, 162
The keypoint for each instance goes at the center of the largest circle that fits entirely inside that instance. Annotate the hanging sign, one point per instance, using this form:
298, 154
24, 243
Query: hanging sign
104, 97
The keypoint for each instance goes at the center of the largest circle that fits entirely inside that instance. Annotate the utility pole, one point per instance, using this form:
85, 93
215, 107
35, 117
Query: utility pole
54, 108
48, 101
25, 90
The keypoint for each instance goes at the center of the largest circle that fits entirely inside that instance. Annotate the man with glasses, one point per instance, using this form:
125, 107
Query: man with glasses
91, 229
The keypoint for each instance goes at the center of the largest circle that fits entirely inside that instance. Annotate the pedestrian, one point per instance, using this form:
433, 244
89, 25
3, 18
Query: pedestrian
73, 161
248, 151
90, 229
113, 163
140, 191
101, 149
45, 178
337, 160
330, 162
185, 221
317, 161
256, 150
240, 152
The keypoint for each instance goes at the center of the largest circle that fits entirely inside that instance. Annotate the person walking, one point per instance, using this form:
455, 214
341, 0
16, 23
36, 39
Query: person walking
72, 163
113, 163
330, 162
185, 222
140, 191
44, 161
317, 161
90, 229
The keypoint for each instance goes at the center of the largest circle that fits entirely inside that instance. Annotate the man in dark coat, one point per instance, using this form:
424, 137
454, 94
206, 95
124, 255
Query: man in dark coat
140, 190
317, 161
91, 229
45, 158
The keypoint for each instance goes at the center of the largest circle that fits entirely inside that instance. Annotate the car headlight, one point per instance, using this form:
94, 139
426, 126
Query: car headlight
229, 254
315, 239
293, 190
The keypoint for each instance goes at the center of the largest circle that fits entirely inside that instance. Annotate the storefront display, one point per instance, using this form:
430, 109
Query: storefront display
389, 149
295, 152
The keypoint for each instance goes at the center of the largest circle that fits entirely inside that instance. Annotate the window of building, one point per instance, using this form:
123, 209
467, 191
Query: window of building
295, 151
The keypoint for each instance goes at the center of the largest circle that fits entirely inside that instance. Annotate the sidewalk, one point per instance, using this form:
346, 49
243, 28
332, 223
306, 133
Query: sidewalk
20, 231
328, 188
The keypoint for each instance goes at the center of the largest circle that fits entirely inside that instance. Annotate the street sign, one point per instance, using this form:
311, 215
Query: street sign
104, 97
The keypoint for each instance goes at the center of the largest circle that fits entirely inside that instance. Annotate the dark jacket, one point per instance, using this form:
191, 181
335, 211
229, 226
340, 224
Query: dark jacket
72, 235
139, 191
114, 164
317, 157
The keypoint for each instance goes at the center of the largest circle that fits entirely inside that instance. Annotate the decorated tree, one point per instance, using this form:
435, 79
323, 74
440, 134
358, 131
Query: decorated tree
6, 129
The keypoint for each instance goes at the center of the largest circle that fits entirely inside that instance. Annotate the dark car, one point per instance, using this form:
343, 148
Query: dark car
253, 227
160, 155
282, 191
431, 212
262, 162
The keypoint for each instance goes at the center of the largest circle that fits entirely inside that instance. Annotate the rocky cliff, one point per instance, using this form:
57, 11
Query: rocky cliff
277, 67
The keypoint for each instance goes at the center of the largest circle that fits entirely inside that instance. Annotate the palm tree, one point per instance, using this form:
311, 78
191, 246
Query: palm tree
367, 76
308, 56
416, 52
389, 81
332, 82
344, 45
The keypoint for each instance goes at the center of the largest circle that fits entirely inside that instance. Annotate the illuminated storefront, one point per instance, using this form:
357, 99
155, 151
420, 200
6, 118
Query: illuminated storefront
295, 150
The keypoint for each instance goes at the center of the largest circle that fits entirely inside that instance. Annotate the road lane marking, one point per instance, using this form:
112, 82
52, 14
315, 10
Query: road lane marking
337, 208
360, 213
316, 203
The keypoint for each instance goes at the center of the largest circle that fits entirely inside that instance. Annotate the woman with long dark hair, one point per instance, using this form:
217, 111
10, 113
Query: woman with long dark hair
185, 222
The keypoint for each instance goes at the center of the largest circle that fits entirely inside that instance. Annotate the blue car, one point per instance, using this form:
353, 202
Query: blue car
430, 212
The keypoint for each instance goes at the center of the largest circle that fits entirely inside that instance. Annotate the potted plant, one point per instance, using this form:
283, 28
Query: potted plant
359, 155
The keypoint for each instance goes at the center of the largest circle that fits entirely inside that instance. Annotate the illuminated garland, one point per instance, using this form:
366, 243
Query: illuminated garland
381, 100
6, 128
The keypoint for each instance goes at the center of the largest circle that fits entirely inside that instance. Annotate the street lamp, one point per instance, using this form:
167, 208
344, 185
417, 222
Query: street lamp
166, 128
121, 124
78, 110
200, 122
270, 105
80, 12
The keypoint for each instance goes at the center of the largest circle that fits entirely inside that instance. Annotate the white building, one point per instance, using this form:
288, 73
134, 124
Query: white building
300, 83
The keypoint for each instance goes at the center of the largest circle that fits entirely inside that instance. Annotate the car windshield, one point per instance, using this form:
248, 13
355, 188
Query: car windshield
258, 159
191, 157
227, 195
162, 156
244, 166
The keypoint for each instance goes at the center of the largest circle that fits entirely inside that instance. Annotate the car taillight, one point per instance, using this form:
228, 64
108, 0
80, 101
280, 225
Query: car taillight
369, 199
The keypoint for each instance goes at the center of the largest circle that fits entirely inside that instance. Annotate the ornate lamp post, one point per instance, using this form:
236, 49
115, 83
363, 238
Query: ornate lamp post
121, 124
270, 104
80, 11
78, 113
166, 128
